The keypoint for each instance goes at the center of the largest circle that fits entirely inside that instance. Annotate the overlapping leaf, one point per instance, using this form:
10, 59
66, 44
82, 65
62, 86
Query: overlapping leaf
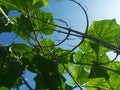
98, 84
80, 74
44, 22
8, 66
47, 73
4, 27
22, 5
114, 76
97, 71
4, 88
107, 30
90, 52
27, 23
42, 2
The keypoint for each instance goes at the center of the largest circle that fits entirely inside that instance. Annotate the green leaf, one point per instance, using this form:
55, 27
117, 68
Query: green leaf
94, 46
22, 52
15, 5
20, 49
17, 83
66, 56
46, 42
23, 5
80, 74
97, 71
68, 87
4, 88
88, 54
85, 55
106, 30
48, 46
44, 22
8, 66
4, 50
98, 84
45, 2
64, 85
35, 1
42, 2
114, 77
48, 77
90, 51
33, 22
23, 27
4, 27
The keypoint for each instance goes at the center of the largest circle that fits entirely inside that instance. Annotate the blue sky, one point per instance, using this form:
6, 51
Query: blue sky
72, 13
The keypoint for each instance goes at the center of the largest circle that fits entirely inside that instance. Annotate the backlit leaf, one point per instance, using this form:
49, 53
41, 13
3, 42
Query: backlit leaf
4, 88
97, 71
114, 77
44, 22
98, 84
80, 74
106, 30
20, 49
43, 2
90, 53
23, 27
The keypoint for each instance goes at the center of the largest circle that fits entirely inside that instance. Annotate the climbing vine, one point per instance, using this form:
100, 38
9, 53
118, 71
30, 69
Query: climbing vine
91, 67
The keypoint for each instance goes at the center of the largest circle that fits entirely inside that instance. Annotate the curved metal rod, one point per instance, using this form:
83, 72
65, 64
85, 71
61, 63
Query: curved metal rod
67, 33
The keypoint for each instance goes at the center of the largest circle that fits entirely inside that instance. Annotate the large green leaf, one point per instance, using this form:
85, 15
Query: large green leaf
45, 47
27, 23
8, 66
41, 2
20, 49
85, 55
114, 77
80, 74
91, 51
22, 27
106, 30
97, 71
22, 52
15, 5
4, 88
98, 84
48, 76
23, 5
44, 22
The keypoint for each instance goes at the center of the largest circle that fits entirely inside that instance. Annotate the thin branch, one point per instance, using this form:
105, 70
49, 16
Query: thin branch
12, 5
26, 83
117, 53
87, 20
101, 66
9, 21
97, 87
80, 34
72, 77
62, 21
30, 18
67, 33
91, 38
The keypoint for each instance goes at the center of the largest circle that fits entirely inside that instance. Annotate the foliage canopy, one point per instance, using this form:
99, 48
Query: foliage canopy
91, 67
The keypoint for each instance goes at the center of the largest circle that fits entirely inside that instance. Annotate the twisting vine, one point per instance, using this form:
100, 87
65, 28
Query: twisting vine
68, 32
